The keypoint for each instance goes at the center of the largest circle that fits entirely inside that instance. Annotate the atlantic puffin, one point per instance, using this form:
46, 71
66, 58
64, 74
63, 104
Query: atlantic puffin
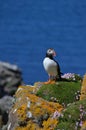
51, 66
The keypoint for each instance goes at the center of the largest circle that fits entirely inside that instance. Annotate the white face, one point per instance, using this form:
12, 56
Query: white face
51, 52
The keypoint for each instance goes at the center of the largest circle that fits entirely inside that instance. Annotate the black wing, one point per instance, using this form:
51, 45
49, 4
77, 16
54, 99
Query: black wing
58, 70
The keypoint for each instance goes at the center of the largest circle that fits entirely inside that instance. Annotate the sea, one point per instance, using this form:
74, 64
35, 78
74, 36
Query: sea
29, 27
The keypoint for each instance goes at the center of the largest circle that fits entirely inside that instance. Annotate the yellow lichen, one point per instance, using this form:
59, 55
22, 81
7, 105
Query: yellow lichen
30, 126
83, 88
50, 124
83, 126
21, 112
38, 108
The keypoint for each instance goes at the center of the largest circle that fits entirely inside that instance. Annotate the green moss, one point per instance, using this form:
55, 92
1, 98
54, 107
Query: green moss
71, 115
64, 92
65, 126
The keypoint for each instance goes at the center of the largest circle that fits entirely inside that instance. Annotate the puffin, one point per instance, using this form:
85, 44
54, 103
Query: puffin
51, 66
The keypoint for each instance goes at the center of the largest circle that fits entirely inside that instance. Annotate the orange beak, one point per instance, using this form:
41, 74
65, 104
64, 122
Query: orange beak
54, 54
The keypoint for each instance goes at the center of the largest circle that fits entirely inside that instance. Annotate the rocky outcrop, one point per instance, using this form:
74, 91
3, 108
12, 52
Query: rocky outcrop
5, 106
31, 112
10, 78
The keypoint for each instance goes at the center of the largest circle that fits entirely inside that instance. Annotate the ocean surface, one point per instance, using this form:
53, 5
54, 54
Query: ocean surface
29, 27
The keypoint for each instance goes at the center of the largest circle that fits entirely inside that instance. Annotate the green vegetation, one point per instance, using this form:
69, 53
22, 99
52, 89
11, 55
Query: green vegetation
62, 92
67, 94
73, 116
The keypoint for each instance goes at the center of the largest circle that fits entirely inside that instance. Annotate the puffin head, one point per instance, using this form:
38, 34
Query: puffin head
50, 53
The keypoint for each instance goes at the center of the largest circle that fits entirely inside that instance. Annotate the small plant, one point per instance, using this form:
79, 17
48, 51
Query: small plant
77, 95
72, 77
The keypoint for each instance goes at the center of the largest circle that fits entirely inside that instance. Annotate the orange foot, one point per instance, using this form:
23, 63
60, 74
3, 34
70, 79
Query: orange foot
50, 82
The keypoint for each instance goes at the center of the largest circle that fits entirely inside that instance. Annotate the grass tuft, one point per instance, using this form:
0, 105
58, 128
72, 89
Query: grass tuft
62, 92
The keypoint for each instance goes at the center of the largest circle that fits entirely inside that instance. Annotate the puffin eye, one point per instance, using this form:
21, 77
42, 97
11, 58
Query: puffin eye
49, 50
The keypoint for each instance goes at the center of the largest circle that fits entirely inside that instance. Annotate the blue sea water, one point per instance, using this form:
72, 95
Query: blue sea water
29, 27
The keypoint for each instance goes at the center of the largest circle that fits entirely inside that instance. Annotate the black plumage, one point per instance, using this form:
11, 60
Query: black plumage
47, 61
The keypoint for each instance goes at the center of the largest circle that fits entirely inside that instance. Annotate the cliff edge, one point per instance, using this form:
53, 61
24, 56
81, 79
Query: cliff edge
49, 107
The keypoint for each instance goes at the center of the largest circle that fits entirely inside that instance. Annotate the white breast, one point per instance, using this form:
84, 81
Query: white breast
50, 66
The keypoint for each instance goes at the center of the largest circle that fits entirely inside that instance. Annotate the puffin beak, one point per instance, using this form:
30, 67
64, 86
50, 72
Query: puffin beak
54, 54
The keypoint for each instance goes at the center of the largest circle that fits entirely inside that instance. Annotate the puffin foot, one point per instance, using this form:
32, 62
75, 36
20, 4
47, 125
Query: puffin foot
50, 82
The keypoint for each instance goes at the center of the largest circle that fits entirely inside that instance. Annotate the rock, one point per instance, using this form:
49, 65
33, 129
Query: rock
10, 78
31, 112
4, 127
5, 106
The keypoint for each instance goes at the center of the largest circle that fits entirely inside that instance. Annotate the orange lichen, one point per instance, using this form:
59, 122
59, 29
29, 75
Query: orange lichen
38, 107
83, 126
83, 89
50, 124
21, 112
30, 126
41, 106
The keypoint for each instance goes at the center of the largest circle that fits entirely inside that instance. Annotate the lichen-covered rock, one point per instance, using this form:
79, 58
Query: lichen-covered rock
10, 78
83, 88
30, 112
83, 126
